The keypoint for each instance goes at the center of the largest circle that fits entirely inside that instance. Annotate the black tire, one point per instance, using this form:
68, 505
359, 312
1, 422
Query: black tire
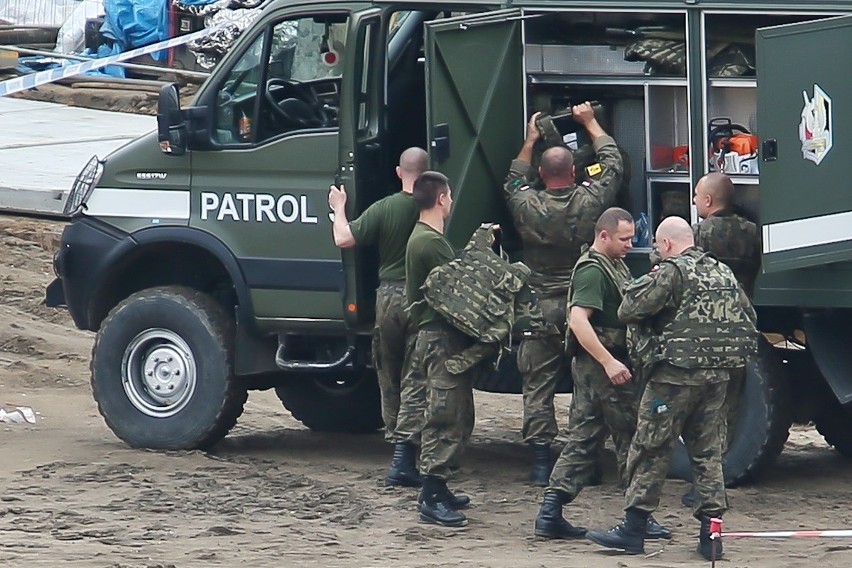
334, 403
762, 428
835, 425
162, 370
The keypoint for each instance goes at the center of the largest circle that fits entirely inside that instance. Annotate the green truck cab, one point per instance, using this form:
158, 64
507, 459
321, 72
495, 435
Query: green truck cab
202, 254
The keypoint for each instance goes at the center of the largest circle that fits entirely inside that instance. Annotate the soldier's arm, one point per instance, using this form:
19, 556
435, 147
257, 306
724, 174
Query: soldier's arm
648, 295
340, 229
582, 329
607, 173
747, 305
520, 166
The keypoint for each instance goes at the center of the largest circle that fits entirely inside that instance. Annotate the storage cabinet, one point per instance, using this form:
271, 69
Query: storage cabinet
661, 111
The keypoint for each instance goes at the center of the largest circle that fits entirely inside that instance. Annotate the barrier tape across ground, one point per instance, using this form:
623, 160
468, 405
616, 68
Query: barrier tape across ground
42, 77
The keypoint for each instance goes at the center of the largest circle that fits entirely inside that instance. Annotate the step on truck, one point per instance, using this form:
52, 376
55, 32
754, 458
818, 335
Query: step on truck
202, 254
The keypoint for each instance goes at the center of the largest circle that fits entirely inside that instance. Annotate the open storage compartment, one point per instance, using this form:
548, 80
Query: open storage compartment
634, 65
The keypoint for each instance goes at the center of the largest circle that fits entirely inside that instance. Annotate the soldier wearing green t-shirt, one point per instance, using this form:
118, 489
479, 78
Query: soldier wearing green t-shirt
449, 415
387, 223
605, 399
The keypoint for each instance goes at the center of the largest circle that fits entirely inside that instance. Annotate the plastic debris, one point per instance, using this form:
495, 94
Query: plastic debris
18, 415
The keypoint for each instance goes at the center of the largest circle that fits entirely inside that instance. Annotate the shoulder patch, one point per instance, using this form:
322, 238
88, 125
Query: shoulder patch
593, 169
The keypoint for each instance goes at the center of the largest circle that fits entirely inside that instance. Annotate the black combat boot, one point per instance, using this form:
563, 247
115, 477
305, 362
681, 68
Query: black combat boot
710, 549
550, 523
456, 500
629, 536
435, 508
655, 530
542, 465
403, 471
688, 498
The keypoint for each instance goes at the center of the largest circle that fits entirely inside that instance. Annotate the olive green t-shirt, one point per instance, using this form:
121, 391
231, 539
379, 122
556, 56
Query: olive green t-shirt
427, 248
387, 223
593, 289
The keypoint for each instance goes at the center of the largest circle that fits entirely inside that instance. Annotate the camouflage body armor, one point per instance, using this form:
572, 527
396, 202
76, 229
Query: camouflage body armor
710, 329
614, 339
485, 297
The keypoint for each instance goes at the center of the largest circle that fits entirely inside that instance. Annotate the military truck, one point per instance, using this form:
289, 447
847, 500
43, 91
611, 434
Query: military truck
202, 255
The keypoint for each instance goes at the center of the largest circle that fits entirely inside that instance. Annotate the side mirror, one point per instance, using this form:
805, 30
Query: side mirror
171, 127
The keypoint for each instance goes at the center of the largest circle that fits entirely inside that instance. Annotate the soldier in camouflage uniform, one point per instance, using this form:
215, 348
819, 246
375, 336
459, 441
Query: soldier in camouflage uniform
553, 224
704, 325
734, 240
388, 224
450, 413
605, 398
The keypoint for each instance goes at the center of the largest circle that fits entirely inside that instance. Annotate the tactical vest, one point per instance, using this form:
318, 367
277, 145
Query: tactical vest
614, 339
484, 296
710, 328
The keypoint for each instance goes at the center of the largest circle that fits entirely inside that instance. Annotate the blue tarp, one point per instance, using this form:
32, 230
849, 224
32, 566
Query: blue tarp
136, 23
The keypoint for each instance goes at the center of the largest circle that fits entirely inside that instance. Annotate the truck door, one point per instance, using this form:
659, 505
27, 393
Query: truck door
263, 189
361, 157
475, 111
805, 124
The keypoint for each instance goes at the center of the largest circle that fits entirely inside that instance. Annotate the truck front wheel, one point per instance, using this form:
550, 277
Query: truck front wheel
162, 370
762, 426
348, 402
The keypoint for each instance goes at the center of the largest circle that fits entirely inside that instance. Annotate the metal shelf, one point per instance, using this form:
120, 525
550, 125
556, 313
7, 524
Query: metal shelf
738, 82
540, 78
742, 179
666, 177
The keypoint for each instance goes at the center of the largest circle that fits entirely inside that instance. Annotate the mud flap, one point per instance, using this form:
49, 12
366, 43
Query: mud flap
827, 335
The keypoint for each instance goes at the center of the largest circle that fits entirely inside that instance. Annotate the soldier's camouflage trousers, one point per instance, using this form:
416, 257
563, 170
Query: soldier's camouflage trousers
403, 388
449, 413
597, 407
666, 412
542, 362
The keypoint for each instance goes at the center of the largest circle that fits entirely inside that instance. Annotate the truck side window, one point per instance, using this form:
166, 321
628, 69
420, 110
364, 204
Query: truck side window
288, 80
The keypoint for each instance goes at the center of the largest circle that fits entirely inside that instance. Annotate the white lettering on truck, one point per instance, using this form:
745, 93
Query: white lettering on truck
257, 207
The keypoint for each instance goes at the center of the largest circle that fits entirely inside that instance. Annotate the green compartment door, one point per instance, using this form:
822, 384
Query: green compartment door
805, 125
475, 111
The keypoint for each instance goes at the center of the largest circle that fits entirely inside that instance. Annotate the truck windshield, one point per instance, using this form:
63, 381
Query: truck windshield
294, 87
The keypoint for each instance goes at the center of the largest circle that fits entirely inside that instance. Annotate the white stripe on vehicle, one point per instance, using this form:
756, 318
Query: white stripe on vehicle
801, 233
143, 203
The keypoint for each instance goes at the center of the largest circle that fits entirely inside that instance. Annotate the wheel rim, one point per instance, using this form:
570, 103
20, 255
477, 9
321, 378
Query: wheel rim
158, 372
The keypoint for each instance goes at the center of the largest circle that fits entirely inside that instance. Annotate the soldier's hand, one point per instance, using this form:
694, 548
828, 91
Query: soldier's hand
617, 372
336, 197
583, 113
533, 133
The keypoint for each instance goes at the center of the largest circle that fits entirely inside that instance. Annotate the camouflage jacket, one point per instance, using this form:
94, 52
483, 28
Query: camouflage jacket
735, 241
692, 313
555, 223
485, 297
614, 339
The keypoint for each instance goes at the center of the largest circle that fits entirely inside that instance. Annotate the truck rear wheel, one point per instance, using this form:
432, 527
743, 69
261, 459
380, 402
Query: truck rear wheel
835, 425
762, 427
162, 370
348, 402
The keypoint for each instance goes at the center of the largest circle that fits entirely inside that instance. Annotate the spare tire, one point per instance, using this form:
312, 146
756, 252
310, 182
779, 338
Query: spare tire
762, 427
346, 402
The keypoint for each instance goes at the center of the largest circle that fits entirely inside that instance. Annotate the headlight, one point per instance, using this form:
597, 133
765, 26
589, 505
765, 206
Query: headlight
83, 186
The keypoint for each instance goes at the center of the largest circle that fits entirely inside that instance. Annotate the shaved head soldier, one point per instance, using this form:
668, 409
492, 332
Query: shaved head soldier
553, 225
387, 223
701, 324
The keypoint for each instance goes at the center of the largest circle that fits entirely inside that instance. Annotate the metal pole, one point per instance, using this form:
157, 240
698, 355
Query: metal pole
162, 70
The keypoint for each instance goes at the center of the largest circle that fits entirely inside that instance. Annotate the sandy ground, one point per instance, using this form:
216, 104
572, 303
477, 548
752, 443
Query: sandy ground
275, 494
